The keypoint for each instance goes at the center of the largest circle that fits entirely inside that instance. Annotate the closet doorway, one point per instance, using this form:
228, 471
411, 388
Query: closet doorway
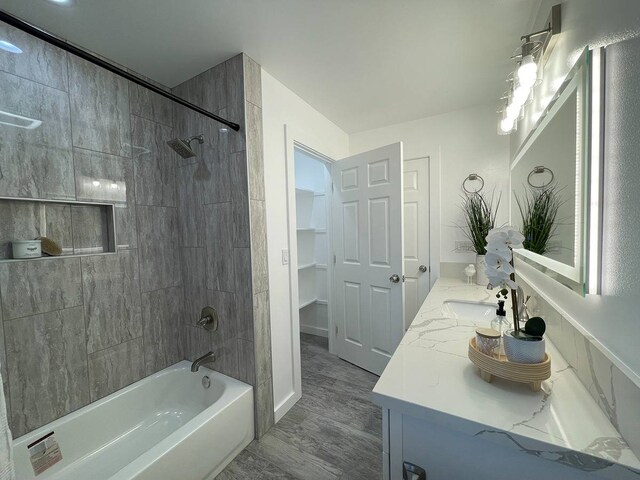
313, 209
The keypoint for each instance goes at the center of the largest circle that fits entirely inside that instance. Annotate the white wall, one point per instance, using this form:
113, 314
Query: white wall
459, 143
280, 107
612, 318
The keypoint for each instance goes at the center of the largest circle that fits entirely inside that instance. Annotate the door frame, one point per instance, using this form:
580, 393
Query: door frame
435, 224
430, 216
296, 139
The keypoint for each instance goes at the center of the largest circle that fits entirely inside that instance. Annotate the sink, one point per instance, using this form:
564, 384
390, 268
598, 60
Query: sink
469, 310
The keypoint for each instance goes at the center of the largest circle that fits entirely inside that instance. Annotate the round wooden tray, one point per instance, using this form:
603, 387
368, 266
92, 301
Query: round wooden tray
531, 373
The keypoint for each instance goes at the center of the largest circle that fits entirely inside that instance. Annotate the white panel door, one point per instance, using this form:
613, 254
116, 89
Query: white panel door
367, 229
416, 236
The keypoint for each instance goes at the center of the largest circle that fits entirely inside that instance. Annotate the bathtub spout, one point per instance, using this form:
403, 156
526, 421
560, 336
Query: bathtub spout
206, 358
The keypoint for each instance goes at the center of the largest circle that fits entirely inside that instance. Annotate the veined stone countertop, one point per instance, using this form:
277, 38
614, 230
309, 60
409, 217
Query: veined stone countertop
431, 377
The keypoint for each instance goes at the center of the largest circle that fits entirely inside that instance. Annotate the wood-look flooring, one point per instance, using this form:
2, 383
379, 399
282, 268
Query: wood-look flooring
333, 432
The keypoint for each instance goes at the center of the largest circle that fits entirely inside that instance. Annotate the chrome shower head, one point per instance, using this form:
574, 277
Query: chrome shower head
183, 147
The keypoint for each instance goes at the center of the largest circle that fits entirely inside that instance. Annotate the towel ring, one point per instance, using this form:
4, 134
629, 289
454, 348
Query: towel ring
538, 170
472, 178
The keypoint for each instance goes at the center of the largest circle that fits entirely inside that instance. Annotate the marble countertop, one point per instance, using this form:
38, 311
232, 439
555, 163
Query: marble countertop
430, 377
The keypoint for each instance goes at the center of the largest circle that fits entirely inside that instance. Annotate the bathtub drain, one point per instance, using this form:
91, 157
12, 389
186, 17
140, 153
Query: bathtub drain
206, 382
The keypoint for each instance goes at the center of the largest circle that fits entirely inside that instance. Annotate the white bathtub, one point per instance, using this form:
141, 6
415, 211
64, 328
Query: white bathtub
166, 426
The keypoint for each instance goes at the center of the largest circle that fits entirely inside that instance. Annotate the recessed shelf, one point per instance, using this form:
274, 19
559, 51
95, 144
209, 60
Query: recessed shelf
304, 191
306, 303
79, 228
322, 266
317, 301
306, 265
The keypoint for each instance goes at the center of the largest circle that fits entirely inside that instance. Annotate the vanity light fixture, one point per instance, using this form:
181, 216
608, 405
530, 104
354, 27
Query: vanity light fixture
528, 69
528, 72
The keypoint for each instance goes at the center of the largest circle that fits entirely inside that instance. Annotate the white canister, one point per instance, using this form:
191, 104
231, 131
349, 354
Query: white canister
519, 350
27, 248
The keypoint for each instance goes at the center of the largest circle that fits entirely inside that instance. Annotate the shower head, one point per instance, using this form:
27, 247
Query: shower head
183, 147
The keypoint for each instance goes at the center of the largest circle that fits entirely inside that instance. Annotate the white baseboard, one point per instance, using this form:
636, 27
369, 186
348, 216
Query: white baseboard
311, 330
286, 405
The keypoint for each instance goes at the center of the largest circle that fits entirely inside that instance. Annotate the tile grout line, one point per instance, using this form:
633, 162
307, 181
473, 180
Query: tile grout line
21, 77
84, 326
6, 366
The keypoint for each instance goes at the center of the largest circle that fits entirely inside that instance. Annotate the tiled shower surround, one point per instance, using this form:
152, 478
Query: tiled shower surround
190, 233
222, 225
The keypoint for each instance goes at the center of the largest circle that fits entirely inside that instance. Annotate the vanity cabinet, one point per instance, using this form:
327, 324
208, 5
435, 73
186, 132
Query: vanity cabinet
448, 454
438, 413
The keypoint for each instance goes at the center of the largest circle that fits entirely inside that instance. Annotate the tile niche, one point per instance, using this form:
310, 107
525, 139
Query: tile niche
78, 228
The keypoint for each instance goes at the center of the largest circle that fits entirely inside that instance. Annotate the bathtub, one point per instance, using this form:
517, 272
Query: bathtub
166, 426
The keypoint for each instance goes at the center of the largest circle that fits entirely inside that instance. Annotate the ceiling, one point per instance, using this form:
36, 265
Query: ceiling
362, 63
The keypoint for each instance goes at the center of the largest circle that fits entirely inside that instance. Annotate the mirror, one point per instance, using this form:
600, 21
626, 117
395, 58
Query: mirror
549, 184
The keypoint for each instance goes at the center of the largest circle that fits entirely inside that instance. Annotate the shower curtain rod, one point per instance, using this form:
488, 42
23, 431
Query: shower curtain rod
53, 40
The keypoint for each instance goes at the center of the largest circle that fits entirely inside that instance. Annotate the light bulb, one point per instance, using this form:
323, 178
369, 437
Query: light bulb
528, 72
506, 124
521, 94
96, 183
513, 111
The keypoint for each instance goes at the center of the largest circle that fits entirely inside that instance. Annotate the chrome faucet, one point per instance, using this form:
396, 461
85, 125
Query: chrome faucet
206, 358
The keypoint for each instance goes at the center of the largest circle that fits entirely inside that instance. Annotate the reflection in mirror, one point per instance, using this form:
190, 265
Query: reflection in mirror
543, 187
548, 185
540, 223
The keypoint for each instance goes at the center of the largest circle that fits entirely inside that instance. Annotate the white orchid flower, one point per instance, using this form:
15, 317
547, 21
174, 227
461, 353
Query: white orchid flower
499, 269
499, 263
500, 249
511, 237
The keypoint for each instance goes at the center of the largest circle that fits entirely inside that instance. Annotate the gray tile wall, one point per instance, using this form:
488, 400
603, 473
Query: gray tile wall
223, 229
190, 233
76, 329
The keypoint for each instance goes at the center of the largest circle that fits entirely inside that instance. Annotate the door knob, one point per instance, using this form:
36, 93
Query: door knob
422, 268
395, 278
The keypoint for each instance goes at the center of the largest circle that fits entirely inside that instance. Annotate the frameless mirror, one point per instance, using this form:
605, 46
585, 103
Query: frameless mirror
549, 184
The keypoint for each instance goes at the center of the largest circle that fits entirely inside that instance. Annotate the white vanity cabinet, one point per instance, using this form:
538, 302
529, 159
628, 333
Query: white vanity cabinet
447, 454
438, 414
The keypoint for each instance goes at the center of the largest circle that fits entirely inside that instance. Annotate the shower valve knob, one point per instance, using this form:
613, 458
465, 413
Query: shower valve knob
208, 319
